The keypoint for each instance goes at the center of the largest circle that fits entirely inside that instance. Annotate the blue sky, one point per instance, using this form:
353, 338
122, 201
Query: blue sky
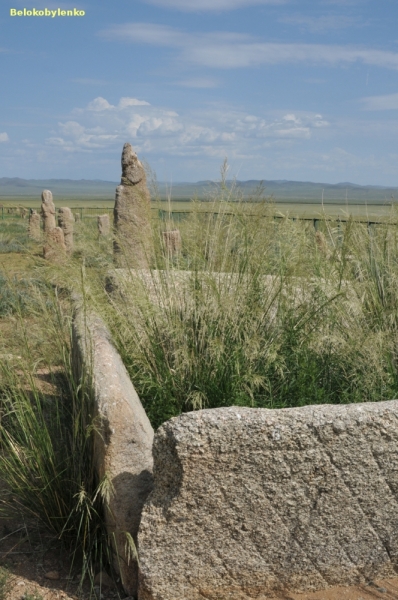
286, 89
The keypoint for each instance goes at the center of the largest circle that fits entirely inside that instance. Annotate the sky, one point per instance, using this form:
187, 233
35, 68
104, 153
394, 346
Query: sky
303, 90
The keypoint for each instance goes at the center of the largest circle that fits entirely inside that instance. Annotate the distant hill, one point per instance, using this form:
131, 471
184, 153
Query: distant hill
14, 186
279, 190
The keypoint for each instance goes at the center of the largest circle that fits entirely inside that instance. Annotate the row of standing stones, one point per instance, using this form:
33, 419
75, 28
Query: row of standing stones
58, 240
132, 220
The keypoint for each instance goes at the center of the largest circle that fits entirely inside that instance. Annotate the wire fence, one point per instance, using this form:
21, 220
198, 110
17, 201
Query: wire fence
85, 213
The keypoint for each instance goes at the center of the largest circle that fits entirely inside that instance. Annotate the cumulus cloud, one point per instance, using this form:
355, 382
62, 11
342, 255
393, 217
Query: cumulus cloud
4, 137
154, 130
226, 50
387, 102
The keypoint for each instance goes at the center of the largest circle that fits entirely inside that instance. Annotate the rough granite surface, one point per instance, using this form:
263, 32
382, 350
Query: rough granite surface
123, 435
251, 502
132, 213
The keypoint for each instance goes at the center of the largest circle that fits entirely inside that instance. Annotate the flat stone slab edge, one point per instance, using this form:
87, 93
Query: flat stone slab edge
123, 435
251, 502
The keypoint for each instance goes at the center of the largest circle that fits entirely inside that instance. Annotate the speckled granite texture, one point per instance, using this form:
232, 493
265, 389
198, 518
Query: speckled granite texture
250, 502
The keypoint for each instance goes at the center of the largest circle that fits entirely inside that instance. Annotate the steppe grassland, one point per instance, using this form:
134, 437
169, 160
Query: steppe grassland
309, 210
293, 319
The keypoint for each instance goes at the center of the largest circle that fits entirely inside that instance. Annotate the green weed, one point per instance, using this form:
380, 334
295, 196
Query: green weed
4, 583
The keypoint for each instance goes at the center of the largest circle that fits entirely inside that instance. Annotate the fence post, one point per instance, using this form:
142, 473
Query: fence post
316, 224
81, 213
370, 225
339, 233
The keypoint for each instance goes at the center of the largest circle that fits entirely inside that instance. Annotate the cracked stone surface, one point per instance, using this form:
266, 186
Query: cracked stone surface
248, 503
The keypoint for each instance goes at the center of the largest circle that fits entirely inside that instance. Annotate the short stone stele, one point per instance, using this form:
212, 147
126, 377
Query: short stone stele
252, 503
54, 247
66, 221
103, 225
34, 230
172, 241
48, 211
132, 214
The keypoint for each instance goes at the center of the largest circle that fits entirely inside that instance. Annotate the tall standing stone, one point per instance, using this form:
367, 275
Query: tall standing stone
48, 211
103, 225
132, 214
65, 221
34, 225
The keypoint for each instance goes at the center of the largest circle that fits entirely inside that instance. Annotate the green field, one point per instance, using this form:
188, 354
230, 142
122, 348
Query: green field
294, 209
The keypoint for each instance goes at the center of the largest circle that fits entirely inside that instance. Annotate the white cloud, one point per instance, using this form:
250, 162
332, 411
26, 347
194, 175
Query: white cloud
154, 130
322, 23
211, 5
99, 104
4, 137
225, 50
124, 102
387, 102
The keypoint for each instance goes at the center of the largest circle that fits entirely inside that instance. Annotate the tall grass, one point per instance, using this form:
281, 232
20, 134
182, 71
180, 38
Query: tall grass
46, 462
251, 311
261, 313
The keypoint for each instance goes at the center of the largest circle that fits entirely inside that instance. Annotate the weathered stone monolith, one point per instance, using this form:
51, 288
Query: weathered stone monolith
132, 214
172, 241
48, 211
34, 225
103, 225
65, 221
54, 248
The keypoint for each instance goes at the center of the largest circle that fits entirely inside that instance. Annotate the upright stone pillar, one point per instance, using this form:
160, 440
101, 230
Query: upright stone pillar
34, 225
48, 211
132, 214
103, 225
65, 221
54, 248
172, 241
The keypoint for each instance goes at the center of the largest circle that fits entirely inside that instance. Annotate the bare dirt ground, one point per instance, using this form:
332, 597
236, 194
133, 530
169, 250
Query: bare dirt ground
387, 589
39, 569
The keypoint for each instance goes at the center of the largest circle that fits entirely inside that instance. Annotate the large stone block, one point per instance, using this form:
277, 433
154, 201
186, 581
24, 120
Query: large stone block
248, 503
123, 436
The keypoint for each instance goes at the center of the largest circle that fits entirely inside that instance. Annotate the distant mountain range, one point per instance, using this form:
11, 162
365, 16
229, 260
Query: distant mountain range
279, 190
